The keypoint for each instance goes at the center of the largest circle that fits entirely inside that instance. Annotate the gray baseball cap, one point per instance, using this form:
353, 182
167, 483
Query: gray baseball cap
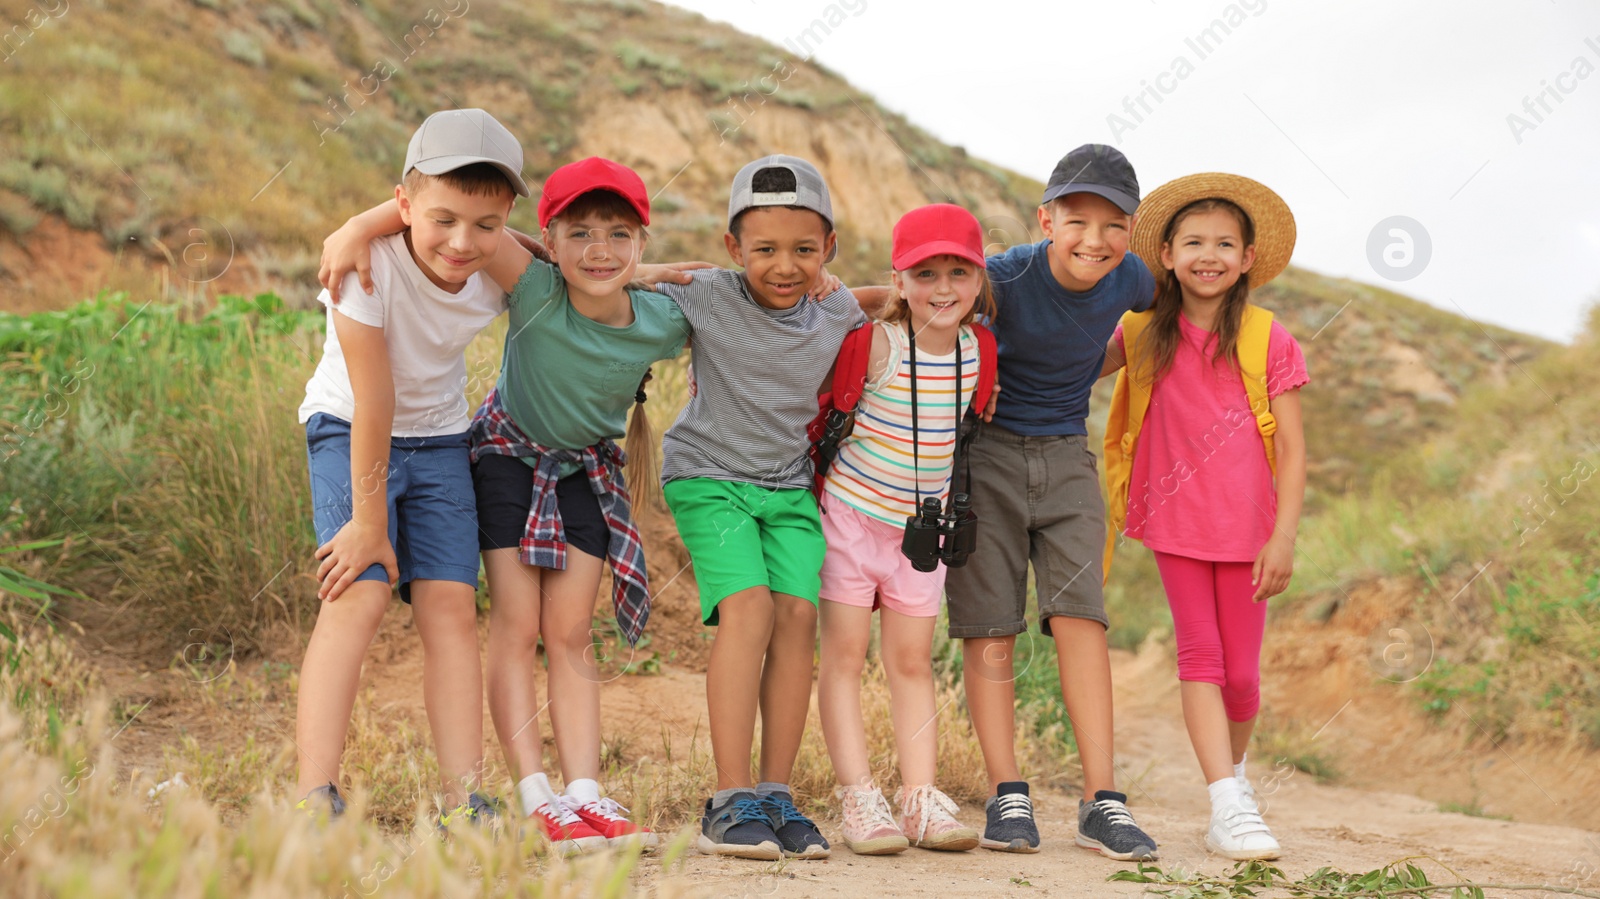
448, 140
811, 192
1095, 169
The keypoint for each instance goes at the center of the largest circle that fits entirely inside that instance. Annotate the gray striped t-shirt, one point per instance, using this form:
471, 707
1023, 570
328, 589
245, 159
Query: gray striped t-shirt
758, 371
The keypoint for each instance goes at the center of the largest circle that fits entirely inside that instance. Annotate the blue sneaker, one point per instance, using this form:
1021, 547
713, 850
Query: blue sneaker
797, 834
324, 800
740, 828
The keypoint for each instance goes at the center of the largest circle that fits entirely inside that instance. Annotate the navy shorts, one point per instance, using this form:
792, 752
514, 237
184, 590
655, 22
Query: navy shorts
433, 519
505, 493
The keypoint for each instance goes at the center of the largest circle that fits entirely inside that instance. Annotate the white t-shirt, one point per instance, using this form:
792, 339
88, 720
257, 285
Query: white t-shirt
427, 330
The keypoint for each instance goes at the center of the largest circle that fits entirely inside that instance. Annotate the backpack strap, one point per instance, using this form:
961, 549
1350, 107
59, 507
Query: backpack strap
850, 372
1130, 399
837, 405
988, 367
1255, 337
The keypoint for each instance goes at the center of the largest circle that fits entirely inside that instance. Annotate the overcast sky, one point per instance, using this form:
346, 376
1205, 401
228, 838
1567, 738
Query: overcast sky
1354, 111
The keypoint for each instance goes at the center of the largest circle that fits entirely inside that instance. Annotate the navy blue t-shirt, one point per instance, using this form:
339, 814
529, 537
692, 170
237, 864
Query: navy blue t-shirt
1052, 341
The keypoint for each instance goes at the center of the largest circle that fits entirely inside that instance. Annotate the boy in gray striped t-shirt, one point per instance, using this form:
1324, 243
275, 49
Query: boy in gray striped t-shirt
737, 477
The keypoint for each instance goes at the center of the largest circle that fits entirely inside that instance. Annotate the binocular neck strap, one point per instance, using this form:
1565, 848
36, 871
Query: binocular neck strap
916, 462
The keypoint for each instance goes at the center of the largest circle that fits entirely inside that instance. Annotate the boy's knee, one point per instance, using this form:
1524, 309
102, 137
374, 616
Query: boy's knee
794, 613
992, 658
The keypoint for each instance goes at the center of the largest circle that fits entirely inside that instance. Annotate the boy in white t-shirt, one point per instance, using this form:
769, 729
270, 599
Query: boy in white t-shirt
386, 437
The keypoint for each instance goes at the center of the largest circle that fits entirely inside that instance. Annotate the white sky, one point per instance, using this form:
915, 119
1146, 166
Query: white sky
1354, 111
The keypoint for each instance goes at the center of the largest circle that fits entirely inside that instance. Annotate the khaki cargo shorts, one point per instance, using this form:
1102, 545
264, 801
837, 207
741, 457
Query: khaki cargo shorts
1037, 499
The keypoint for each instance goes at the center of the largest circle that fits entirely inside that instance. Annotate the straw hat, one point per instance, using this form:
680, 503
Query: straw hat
1274, 222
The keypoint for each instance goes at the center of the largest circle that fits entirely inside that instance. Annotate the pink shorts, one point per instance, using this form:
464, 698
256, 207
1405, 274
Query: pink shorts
864, 566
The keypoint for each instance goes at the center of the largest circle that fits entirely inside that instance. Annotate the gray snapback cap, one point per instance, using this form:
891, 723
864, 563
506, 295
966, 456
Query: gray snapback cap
811, 192
448, 140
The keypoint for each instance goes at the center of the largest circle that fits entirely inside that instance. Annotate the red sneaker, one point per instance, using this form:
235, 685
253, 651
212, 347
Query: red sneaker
605, 817
568, 834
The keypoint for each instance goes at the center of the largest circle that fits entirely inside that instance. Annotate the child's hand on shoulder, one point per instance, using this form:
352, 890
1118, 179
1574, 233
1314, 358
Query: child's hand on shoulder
344, 251
350, 552
1274, 566
666, 273
827, 285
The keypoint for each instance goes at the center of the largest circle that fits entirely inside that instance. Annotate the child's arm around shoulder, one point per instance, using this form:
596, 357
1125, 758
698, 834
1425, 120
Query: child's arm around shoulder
1116, 354
878, 360
364, 539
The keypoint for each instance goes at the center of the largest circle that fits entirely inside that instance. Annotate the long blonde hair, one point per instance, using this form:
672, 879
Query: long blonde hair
644, 464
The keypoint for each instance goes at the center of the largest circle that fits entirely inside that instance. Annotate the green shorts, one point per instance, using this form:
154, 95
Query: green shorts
748, 535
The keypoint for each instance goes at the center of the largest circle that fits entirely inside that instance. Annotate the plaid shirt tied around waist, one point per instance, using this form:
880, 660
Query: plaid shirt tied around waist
544, 542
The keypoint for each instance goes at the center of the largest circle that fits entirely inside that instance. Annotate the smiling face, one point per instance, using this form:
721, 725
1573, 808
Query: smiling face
939, 291
596, 252
782, 251
1208, 253
1089, 236
453, 233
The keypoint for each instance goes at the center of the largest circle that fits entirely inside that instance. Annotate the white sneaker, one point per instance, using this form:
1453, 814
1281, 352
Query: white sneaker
1238, 833
1248, 795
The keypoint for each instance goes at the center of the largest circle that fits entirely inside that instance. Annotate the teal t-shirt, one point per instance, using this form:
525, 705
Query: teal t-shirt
569, 381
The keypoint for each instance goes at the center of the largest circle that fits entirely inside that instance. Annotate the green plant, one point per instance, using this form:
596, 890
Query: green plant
1247, 879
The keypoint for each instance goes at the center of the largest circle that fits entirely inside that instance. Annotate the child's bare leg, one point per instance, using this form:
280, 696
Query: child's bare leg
733, 681
1208, 725
446, 615
329, 677
567, 618
514, 604
786, 685
1239, 733
908, 662
988, 676
846, 631
1084, 663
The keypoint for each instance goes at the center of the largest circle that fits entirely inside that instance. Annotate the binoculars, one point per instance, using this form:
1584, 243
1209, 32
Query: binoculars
936, 534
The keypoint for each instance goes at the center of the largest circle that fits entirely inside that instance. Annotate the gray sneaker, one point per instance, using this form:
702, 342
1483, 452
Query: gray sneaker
1010, 827
323, 800
1106, 825
739, 827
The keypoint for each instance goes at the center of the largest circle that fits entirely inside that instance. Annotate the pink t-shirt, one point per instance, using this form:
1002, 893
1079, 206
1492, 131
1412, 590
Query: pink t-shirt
1200, 485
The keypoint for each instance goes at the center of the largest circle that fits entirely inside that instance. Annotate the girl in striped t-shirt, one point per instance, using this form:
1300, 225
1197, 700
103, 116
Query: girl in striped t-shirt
883, 468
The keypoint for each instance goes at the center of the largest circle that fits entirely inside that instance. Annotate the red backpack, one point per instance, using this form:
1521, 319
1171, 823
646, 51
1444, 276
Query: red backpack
837, 406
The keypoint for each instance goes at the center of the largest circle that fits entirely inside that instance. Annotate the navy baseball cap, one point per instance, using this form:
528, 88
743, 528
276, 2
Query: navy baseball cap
1095, 169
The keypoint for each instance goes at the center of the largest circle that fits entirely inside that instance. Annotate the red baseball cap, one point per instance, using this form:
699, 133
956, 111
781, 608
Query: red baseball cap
939, 229
575, 179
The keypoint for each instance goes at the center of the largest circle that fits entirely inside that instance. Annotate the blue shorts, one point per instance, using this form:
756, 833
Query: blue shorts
433, 518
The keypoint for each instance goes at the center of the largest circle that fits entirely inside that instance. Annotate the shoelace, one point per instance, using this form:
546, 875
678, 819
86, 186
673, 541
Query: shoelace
868, 808
928, 800
1115, 812
604, 807
747, 810
786, 811
1015, 805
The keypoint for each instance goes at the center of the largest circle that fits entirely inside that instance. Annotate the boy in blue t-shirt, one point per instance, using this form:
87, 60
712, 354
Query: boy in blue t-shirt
1036, 488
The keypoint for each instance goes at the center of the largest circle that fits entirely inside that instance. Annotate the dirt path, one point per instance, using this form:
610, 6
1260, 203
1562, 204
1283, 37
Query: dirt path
659, 721
1319, 825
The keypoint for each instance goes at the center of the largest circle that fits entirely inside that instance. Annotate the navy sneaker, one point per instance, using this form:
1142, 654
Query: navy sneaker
1106, 825
739, 827
797, 834
1010, 827
324, 799
479, 810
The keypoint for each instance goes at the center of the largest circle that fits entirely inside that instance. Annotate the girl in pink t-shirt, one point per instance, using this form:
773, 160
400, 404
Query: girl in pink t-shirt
1218, 513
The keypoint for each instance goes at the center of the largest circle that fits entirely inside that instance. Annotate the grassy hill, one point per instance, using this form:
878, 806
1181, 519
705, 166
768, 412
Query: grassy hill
211, 144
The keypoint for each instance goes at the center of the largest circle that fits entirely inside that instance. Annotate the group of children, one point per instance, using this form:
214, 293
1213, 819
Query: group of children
956, 438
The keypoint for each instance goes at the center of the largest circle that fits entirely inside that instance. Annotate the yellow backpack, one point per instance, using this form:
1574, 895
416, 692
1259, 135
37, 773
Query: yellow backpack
1131, 399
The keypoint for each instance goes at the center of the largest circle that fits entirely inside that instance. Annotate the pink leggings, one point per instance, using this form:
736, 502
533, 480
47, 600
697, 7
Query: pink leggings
1218, 628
